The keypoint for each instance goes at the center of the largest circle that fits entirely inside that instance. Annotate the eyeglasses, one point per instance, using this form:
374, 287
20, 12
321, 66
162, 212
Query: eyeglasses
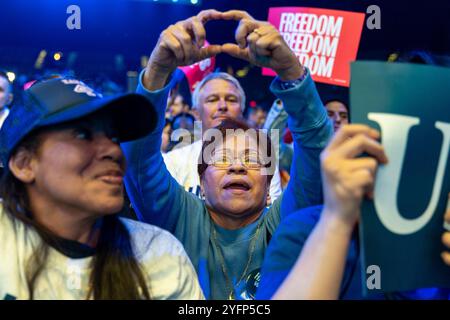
224, 159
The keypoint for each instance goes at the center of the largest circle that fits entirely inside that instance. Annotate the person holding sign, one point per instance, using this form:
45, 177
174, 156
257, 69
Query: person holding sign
226, 234
315, 252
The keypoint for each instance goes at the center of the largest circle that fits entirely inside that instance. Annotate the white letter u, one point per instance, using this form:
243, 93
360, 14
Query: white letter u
394, 132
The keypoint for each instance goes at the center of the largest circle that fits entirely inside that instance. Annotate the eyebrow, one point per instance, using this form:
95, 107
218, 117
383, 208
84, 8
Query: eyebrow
226, 95
230, 150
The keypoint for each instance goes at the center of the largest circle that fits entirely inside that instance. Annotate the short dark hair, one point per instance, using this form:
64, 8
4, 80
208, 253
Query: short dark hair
182, 115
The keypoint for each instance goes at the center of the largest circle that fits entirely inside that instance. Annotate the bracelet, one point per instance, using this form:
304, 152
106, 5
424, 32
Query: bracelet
285, 85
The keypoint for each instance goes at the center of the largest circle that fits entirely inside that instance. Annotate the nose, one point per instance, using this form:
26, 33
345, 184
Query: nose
222, 105
108, 149
237, 168
337, 118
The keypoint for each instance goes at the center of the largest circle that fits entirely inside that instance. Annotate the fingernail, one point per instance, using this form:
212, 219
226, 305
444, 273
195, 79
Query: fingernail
447, 226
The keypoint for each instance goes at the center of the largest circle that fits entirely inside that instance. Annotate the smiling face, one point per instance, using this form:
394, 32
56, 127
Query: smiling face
237, 192
78, 168
219, 99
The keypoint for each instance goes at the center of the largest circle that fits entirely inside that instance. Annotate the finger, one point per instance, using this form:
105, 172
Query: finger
364, 163
446, 258
236, 15
186, 41
271, 41
362, 178
263, 45
234, 51
208, 52
446, 239
370, 165
171, 42
348, 131
251, 41
359, 144
244, 28
208, 15
447, 214
265, 29
199, 32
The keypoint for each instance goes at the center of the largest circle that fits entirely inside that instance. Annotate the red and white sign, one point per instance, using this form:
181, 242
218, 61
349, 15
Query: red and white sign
197, 71
325, 41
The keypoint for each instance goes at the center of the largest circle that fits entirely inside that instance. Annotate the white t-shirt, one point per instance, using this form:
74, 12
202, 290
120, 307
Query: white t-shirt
182, 165
163, 261
3, 115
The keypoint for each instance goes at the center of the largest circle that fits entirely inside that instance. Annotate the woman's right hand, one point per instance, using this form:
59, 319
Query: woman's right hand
180, 44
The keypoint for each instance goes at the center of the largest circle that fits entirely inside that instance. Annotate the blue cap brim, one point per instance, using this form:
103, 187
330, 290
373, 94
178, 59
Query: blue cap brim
133, 115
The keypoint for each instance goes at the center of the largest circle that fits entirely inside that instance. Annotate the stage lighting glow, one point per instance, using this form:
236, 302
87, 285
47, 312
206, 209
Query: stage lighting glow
57, 56
11, 76
40, 59
194, 1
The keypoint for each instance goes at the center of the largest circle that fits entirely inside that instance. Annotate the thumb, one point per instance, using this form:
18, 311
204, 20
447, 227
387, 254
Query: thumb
209, 51
234, 51
447, 213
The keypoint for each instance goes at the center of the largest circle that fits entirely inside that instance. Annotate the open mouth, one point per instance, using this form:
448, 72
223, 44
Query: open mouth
240, 185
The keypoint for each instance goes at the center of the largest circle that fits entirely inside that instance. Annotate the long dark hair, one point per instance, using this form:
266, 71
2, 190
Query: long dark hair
116, 273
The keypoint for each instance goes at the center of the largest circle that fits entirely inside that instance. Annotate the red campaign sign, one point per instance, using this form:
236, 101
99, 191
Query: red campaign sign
197, 71
325, 41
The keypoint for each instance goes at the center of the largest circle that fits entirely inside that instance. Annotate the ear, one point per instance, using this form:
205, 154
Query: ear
21, 165
10, 99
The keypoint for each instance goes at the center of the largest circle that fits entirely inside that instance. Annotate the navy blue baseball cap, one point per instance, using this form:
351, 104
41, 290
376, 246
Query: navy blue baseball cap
60, 100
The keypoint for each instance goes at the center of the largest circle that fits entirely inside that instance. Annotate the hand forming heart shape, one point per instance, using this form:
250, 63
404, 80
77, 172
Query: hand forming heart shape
257, 42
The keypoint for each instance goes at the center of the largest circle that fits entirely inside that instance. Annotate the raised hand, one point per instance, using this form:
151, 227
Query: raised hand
180, 44
261, 44
347, 178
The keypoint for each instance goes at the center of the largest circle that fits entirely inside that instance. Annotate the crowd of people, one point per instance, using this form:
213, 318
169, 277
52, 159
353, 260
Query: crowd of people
231, 213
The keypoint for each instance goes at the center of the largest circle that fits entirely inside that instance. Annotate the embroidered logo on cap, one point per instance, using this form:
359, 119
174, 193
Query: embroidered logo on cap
82, 88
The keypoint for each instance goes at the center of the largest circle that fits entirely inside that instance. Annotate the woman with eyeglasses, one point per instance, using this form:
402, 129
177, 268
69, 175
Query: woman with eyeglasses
227, 232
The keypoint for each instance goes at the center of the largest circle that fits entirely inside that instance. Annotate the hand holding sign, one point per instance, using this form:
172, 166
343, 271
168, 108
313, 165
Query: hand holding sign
261, 44
446, 235
346, 178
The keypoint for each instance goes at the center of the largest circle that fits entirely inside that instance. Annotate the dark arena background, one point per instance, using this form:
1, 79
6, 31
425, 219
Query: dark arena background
378, 63
116, 36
